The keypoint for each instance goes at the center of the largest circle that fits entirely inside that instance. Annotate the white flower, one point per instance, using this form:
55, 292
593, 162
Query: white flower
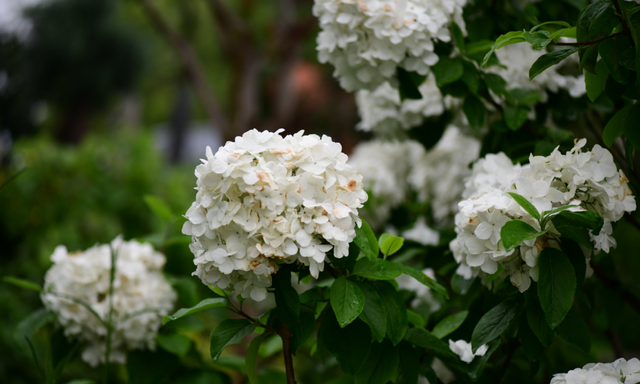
422, 234
518, 58
264, 200
366, 40
141, 296
383, 112
12, 19
463, 349
422, 292
620, 371
385, 167
586, 180
439, 176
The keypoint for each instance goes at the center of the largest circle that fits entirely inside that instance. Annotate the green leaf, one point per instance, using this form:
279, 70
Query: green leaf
618, 124
397, 322
515, 116
22, 283
447, 71
474, 110
218, 302
410, 363
538, 323
380, 366
588, 60
31, 324
577, 258
366, 240
409, 84
287, 298
251, 359
591, 12
377, 269
158, 207
302, 330
603, 24
449, 324
496, 83
538, 40
585, 219
556, 285
514, 232
530, 343
416, 319
569, 231
493, 323
526, 205
574, 330
374, 312
549, 59
460, 285
347, 301
458, 37
611, 56
174, 343
350, 345
564, 32
423, 279
471, 76
502, 41
229, 332
390, 244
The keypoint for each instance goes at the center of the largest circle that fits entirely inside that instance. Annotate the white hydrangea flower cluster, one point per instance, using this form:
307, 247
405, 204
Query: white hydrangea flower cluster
383, 112
463, 349
439, 176
423, 293
518, 58
620, 371
141, 296
265, 199
385, 167
589, 179
366, 40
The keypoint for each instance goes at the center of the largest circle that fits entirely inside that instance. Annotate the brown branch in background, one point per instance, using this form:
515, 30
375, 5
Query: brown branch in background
592, 41
286, 350
615, 285
191, 63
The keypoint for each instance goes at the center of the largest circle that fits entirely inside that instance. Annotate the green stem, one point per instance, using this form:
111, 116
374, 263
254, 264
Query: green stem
109, 322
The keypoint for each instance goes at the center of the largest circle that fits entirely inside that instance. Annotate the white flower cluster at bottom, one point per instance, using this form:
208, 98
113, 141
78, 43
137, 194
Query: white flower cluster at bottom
620, 371
141, 296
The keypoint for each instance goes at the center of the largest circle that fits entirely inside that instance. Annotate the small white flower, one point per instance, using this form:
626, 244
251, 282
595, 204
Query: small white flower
141, 296
463, 349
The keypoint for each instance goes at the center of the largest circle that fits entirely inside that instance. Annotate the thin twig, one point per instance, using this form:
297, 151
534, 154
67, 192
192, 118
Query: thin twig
616, 5
191, 63
286, 350
591, 42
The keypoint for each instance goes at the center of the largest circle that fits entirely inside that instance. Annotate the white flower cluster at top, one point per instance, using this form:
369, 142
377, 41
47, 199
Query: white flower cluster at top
620, 371
439, 176
518, 58
366, 40
141, 296
549, 182
265, 199
383, 112
385, 167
